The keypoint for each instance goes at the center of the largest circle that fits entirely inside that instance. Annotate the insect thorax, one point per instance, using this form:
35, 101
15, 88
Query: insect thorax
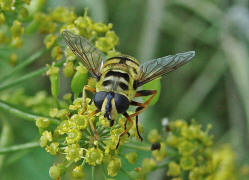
118, 75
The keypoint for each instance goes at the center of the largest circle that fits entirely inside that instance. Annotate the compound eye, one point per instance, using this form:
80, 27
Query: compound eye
122, 103
99, 99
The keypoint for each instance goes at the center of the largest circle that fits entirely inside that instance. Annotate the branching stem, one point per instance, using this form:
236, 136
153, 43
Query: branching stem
28, 76
25, 63
11, 109
19, 147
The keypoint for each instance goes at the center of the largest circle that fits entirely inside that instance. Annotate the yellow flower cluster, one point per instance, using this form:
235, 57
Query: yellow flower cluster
77, 142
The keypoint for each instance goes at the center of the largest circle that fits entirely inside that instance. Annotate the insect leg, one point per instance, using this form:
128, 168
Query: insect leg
88, 88
146, 103
125, 127
91, 124
126, 130
142, 106
134, 103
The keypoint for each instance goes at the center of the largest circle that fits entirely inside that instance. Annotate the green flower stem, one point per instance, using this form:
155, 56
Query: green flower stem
103, 170
11, 109
25, 63
20, 147
93, 173
126, 173
28, 76
69, 164
133, 146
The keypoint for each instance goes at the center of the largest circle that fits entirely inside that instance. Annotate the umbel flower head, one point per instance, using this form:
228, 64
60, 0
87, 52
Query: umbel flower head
185, 150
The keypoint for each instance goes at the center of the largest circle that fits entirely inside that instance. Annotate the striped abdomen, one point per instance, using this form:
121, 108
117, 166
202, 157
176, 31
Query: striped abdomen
115, 90
116, 80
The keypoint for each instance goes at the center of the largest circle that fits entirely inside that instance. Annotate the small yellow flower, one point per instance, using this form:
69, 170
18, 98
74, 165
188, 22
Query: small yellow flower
17, 42
70, 56
56, 53
73, 136
13, 59
73, 152
148, 165
17, 29
94, 156
101, 28
104, 44
45, 138
187, 163
186, 148
42, 122
63, 15
174, 169
53, 148
49, 40
81, 121
153, 136
131, 157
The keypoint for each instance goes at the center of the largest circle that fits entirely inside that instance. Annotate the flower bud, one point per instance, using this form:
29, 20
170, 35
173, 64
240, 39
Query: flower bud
62, 114
187, 162
153, 136
78, 172
24, 12
53, 73
68, 69
148, 165
174, 169
56, 171
49, 40
56, 53
16, 42
101, 27
53, 112
112, 37
114, 166
45, 138
83, 22
79, 80
13, 59
131, 157
42, 122
186, 148
104, 44
70, 56
17, 29
2, 18
67, 97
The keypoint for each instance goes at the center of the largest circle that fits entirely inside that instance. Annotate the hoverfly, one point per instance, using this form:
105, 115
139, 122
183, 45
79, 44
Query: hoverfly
118, 79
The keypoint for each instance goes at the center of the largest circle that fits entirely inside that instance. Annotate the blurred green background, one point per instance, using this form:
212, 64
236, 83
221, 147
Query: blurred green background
213, 88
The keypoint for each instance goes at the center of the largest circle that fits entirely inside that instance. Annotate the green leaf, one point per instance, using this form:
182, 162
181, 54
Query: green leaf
153, 85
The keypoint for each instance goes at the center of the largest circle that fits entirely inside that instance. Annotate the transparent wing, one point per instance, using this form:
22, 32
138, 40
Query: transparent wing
89, 55
155, 68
